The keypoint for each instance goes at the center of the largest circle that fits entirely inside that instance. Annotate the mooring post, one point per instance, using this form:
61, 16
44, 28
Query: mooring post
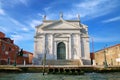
44, 61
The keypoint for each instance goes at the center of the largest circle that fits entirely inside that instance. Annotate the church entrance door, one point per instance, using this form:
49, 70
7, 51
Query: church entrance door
61, 51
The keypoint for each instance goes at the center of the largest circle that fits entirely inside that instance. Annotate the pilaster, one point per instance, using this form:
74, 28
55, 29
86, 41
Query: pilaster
55, 50
52, 46
67, 54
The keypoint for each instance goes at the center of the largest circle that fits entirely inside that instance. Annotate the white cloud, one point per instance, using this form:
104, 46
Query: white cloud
71, 16
25, 2
111, 20
25, 29
23, 40
35, 23
5, 18
15, 21
95, 8
2, 12
41, 15
13, 3
3, 29
87, 9
12, 24
19, 37
20, 26
47, 8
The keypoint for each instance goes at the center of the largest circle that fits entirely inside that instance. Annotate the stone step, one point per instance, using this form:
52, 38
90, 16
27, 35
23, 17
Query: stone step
86, 62
63, 62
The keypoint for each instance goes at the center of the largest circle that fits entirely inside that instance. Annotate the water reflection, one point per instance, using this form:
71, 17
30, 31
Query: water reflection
40, 76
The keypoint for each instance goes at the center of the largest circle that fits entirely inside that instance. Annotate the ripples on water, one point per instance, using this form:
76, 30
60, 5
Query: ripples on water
39, 76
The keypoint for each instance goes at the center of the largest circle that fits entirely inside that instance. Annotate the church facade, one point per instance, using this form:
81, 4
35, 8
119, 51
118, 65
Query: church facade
61, 40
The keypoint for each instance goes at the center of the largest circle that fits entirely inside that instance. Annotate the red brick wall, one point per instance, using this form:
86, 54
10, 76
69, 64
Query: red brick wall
8, 50
2, 35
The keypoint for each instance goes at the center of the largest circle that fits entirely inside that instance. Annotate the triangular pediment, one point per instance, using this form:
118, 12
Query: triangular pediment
60, 35
60, 25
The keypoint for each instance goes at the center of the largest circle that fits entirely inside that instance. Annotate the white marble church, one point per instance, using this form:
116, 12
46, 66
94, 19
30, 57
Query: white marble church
61, 41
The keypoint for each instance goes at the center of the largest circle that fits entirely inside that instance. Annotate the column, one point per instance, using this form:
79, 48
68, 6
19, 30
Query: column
87, 51
44, 45
82, 48
35, 47
72, 56
70, 51
52, 46
79, 46
85, 42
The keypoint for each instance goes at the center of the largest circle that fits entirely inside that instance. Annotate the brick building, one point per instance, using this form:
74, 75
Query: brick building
111, 54
92, 57
25, 59
9, 52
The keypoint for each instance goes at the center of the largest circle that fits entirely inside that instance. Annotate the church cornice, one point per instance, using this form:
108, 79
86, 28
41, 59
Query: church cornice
85, 36
60, 20
60, 29
37, 37
38, 26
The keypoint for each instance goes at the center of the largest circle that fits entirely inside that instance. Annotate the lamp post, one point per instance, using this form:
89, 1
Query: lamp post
44, 60
15, 58
8, 60
105, 61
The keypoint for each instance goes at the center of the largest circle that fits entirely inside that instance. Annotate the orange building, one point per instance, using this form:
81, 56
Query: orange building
26, 58
9, 52
29, 56
110, 55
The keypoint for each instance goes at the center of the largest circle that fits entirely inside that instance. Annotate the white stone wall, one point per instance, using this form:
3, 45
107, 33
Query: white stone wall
85, 51
74, 46
49, 46
75, 40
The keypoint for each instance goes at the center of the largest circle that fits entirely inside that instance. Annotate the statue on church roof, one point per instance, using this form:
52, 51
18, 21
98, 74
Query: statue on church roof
44, 17
61, 15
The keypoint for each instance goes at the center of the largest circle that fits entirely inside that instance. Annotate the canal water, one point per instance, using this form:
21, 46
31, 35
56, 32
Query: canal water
40, 76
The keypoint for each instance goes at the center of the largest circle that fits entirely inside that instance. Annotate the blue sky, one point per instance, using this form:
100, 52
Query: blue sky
18, 19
